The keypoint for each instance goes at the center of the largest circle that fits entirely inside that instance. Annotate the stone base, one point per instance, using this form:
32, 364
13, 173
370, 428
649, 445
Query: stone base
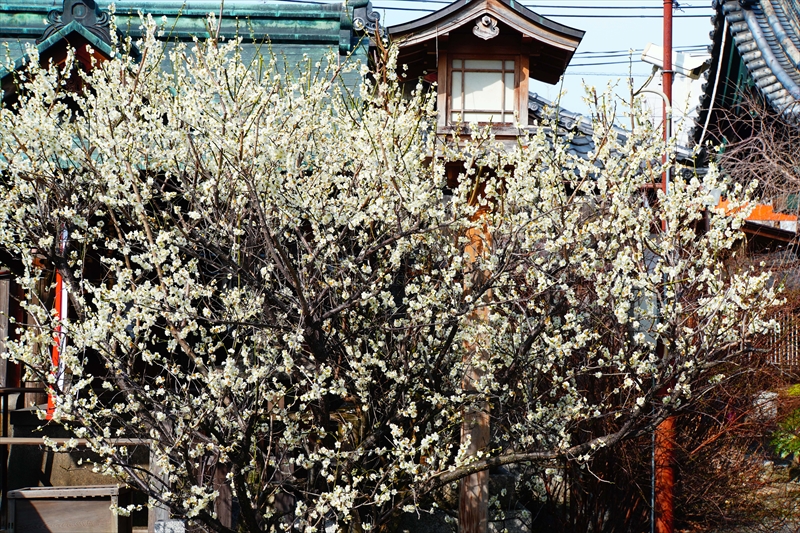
170, 526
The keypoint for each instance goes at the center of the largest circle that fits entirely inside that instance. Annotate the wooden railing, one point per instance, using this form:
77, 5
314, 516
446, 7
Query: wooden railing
4, 446
6, 441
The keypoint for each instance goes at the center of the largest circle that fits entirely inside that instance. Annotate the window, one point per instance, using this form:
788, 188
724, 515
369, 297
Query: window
482, 90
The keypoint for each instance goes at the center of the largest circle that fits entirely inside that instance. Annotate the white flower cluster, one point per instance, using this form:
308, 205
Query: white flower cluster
274, 277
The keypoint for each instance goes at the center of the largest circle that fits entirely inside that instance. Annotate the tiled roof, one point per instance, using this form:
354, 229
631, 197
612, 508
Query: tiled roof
578, 127
293, 31
297, 28
255, 20
581, 129
766, 34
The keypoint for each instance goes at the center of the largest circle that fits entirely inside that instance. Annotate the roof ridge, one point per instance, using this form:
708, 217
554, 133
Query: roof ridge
789, 47
769, 56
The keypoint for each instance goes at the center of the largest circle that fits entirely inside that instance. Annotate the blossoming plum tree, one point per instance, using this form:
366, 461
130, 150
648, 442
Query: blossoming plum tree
272, 280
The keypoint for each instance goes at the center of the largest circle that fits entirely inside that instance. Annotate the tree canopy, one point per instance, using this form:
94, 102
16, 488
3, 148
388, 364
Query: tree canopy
272, 278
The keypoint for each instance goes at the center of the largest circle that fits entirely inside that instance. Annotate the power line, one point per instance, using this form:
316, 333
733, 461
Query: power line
559, 15
632, 58
601, 63
526, 4
595, 55
630, 61
530, 4
637, 50
610, 7
553, 6
604, 74
553, 15
549, 15
561, 6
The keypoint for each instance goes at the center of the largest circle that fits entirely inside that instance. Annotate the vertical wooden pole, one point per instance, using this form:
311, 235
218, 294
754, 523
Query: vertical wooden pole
33, 399
223, 504
473, 502
5, 307
156, 512
665, 475
14, 370
443, 95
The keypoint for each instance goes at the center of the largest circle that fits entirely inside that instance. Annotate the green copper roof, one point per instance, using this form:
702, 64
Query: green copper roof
64, 34
251, 19
293, 31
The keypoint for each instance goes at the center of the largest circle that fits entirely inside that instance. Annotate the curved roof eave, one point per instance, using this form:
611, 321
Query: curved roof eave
763, 33
463, 12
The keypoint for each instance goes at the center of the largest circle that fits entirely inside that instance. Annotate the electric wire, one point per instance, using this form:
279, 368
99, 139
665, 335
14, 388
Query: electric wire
529, 5
637, 50
586, 56
534, 6
556, 6
601, 64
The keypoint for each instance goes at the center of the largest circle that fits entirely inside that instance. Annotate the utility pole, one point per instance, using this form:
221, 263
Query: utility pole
663, 449
666, 73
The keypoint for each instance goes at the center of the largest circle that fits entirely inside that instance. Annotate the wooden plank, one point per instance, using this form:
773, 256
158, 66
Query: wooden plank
5, 286
14, 370
36, 398
75, 516
88, 491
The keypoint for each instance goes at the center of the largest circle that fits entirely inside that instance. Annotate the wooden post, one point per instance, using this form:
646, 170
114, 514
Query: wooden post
223, 504
5, 300
37, 398
665, 475
473, 501
157, 511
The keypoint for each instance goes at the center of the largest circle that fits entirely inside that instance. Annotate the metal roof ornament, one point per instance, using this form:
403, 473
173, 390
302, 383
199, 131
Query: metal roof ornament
367, 20
486, 28
85, 13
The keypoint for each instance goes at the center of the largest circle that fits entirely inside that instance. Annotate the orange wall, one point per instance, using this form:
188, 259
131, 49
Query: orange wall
763, 212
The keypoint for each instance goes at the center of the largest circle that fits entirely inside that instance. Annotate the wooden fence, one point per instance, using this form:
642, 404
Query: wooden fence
784, 349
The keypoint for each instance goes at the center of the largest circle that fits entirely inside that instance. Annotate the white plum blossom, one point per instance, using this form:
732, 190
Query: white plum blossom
283, 280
